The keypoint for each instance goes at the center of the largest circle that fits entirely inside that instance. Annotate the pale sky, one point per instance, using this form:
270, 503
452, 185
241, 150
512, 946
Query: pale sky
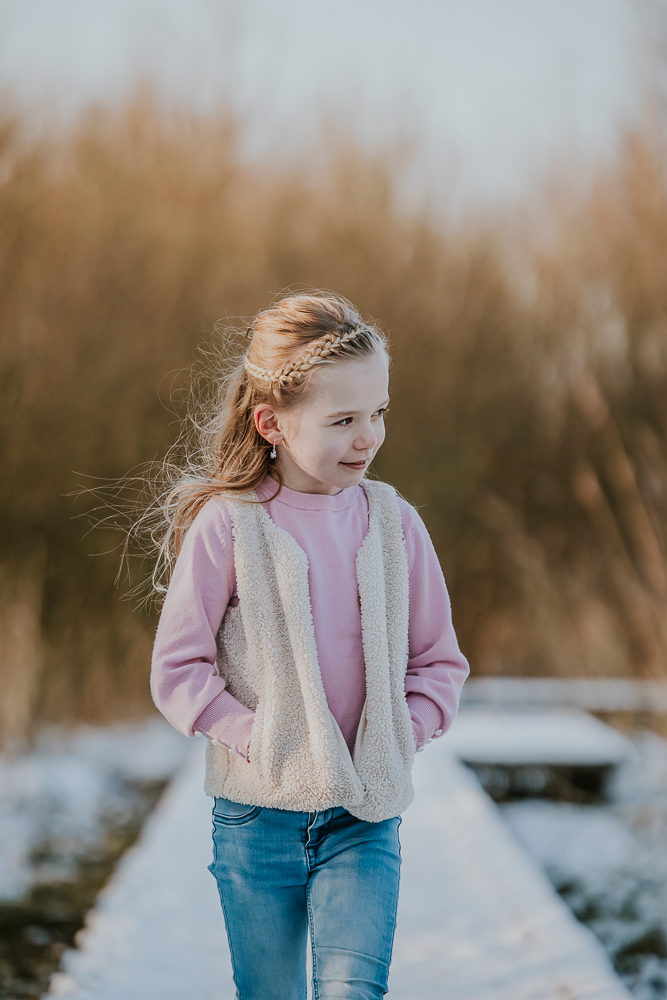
498, 88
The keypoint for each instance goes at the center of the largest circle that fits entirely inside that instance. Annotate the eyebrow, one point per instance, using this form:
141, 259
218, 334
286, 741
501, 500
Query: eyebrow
352, 413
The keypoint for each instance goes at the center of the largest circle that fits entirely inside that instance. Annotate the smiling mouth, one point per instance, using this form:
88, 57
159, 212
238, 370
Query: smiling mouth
356, 465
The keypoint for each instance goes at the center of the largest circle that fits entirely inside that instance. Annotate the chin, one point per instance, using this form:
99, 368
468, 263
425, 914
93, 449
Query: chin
358, 473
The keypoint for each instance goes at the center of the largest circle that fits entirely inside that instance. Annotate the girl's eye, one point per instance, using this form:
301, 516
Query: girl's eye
344, 421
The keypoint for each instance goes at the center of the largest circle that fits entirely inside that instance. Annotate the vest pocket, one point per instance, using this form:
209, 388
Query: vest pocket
230, 813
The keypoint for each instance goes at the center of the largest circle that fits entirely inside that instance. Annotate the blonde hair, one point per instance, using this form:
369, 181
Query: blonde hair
219, 450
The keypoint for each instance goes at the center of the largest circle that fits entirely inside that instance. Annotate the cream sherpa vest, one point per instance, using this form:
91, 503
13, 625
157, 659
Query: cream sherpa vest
267, 654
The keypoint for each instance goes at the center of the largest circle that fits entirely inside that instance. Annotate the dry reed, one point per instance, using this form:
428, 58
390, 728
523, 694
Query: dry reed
528, 415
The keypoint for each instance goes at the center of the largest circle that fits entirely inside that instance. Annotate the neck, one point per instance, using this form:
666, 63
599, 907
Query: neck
303, 483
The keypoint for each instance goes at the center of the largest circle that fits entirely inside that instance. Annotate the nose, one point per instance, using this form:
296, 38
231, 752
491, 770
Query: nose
366, 440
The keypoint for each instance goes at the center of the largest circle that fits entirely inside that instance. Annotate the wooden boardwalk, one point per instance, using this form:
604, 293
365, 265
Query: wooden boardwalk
536, 737
595, 694
477, 919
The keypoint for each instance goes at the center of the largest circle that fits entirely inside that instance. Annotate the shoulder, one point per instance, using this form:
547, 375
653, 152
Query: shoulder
213, 513
207, 550
409, 514
379, 490
224, 515
212, 523
415, 532
418, 542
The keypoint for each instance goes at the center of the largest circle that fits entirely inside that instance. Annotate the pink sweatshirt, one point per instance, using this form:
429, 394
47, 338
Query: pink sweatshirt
330, 529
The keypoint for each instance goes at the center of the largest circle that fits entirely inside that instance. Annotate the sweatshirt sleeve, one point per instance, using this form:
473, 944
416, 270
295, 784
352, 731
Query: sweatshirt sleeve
185, 685
436, 666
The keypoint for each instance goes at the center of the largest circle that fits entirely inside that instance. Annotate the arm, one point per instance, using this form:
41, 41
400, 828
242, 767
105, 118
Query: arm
436, 667
184, 683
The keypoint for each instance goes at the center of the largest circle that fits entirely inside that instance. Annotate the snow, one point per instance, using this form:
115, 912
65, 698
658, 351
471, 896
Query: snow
572, 838
58, 798
610, 864
549, 737
597, 694
477, 918
157, 930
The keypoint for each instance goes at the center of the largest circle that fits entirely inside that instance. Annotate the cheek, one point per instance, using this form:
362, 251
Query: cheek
380, 433
329, 450
315, 447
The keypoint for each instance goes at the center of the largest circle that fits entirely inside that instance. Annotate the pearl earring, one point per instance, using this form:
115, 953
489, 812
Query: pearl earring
273, 451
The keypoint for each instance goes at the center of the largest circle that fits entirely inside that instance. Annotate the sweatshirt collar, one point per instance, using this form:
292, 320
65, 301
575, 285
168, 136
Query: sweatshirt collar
306, 501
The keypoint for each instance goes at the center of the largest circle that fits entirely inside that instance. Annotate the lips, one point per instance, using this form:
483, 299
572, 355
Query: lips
356, 465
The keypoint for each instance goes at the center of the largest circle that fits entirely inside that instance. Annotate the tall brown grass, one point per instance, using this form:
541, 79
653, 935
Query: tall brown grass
528, 416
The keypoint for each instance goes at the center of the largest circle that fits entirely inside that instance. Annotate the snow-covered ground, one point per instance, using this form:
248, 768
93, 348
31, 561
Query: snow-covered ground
477, 918
57, 800
609, 862
534, 737
69, 807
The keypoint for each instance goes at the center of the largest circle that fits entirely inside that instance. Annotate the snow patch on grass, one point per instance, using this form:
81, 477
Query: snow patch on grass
610, 864
57, 799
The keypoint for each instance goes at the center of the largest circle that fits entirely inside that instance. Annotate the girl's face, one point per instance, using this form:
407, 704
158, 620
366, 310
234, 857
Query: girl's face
326, 443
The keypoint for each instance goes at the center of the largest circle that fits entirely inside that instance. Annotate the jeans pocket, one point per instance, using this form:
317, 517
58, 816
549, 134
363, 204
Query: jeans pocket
234, 813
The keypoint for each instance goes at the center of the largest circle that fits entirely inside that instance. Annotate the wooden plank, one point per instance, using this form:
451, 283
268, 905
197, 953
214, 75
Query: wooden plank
595, 694
510, 737
476, 918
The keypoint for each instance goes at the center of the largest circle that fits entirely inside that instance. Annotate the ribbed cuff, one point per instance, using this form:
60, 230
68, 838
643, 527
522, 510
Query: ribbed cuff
227, 725
426, 717
419, 731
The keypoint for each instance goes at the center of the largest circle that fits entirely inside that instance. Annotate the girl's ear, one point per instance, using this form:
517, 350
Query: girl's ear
266, 420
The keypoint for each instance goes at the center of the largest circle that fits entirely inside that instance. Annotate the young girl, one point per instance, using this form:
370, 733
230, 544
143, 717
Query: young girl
306, 632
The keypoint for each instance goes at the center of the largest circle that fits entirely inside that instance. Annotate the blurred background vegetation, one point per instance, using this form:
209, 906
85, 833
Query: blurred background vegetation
529, 407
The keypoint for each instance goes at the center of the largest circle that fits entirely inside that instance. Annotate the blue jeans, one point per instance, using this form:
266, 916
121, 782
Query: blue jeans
280, 873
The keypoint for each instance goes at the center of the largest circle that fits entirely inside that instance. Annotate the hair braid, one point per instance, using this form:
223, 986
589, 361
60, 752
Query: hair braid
317, 351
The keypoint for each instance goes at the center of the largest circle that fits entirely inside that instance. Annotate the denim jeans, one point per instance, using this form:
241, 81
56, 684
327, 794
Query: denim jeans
280, 873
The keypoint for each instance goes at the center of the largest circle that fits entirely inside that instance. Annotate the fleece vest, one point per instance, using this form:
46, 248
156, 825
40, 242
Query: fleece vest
267, 654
